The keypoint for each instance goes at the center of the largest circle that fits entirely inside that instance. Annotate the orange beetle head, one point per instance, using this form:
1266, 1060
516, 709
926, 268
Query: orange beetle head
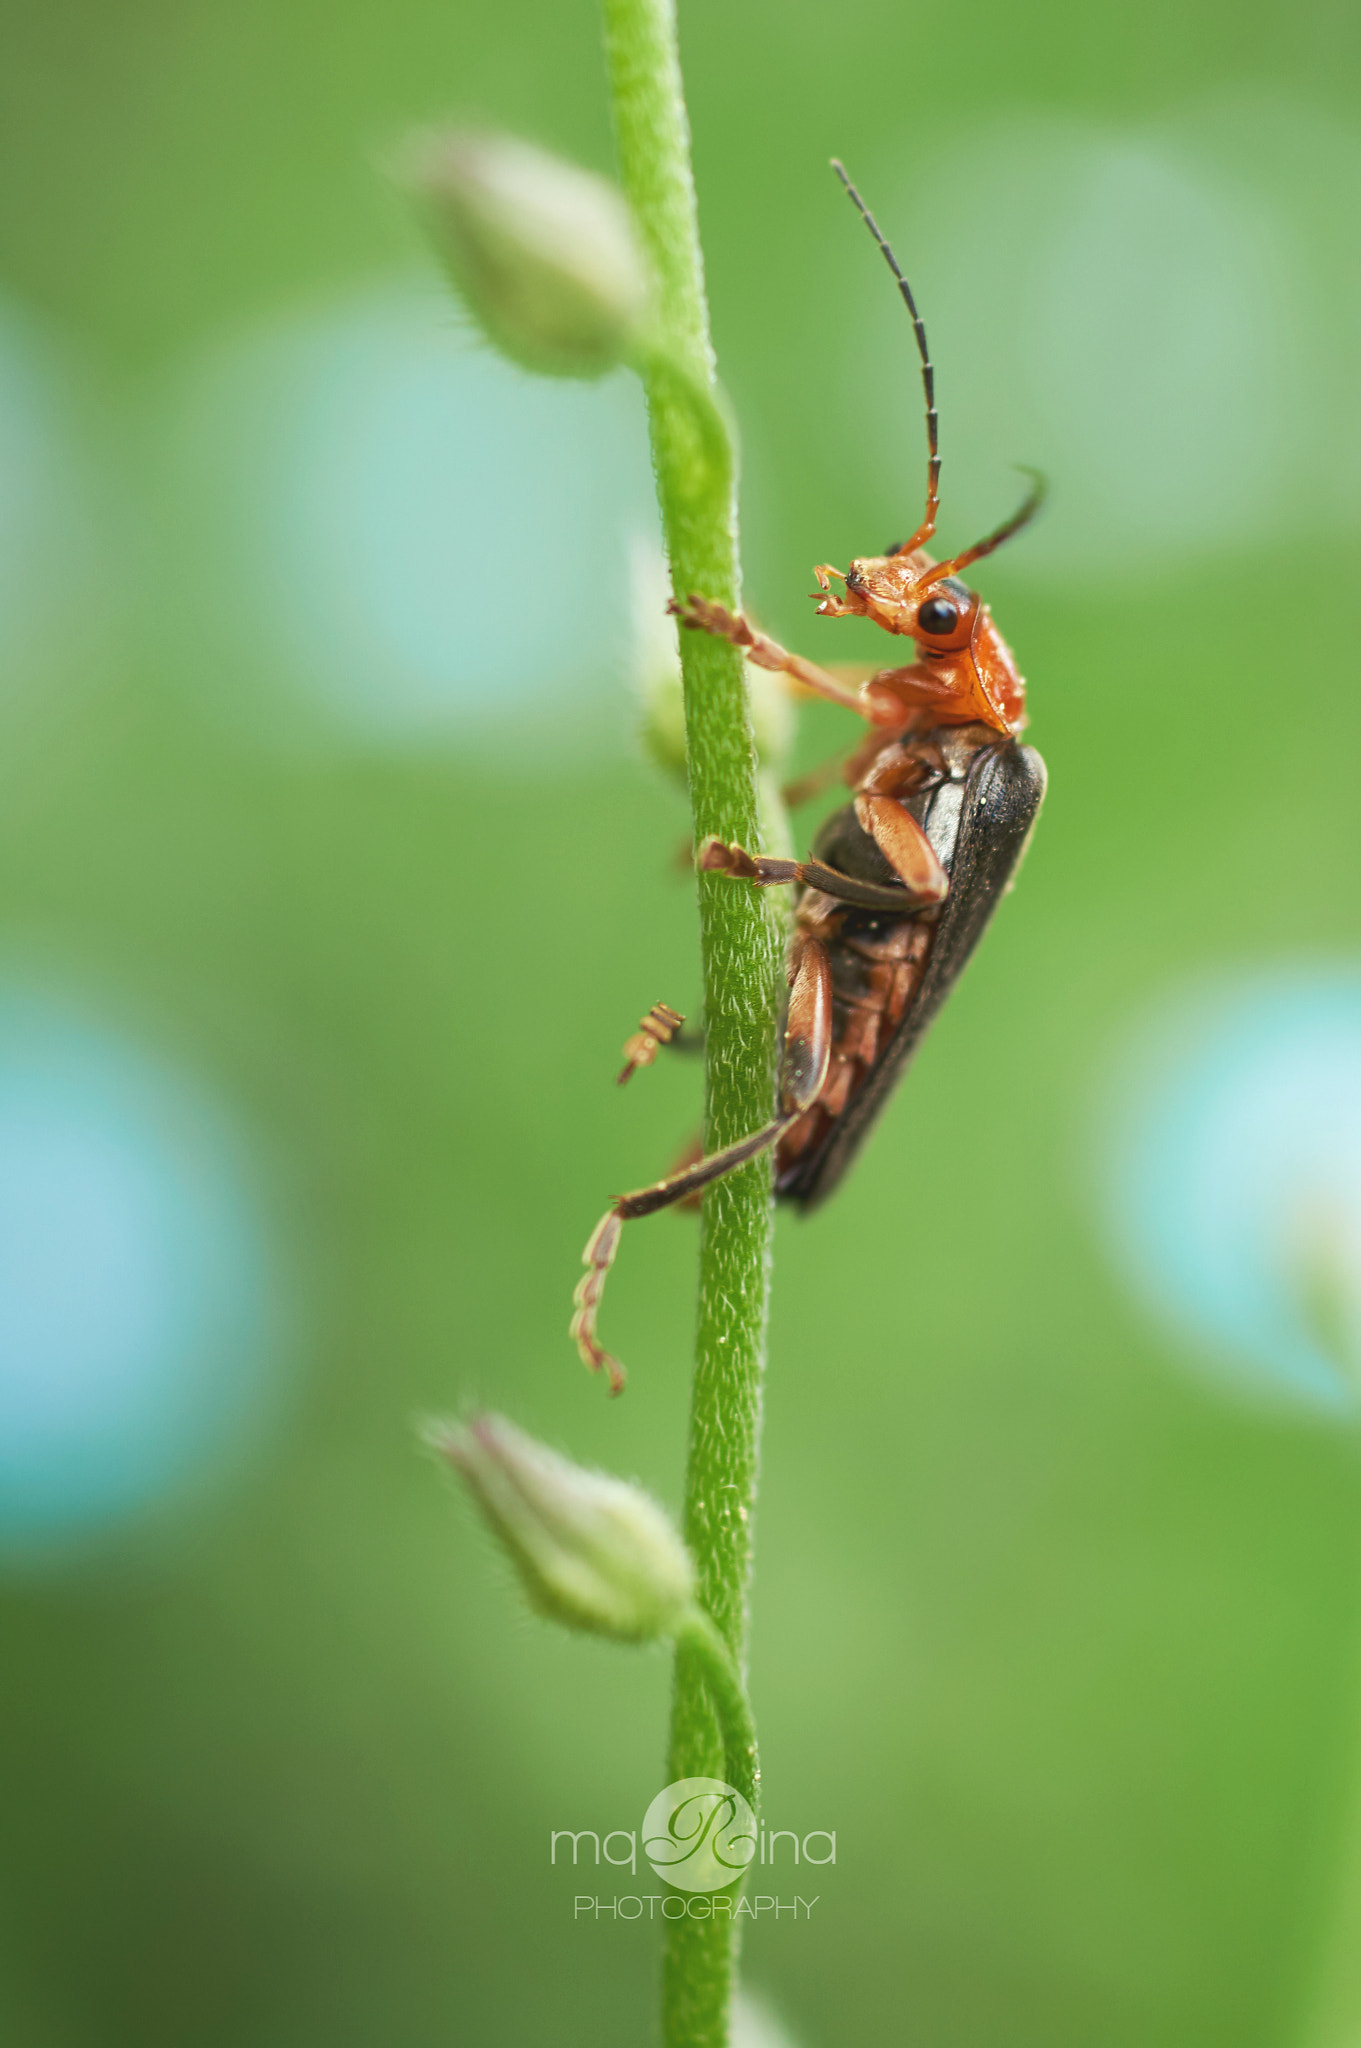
905, 594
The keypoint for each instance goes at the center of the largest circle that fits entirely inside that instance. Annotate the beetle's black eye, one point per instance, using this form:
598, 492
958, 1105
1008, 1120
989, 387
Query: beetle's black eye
937, 616
854, 580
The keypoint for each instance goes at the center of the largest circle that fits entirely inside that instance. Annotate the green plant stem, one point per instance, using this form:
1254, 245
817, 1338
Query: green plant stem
739, 931
728, 1696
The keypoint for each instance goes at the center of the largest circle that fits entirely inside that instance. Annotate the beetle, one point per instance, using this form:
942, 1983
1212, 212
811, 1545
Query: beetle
902, 880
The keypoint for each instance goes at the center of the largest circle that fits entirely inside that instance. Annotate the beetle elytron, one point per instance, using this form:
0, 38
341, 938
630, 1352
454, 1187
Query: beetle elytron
903, 879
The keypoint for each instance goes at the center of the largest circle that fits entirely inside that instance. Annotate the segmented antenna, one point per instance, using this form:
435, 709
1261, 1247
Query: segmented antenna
928, 525
1036, 497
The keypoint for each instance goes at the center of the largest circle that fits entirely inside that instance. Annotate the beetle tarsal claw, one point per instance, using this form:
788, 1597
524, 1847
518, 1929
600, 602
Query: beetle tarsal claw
716, 856
706, 615
598, 1257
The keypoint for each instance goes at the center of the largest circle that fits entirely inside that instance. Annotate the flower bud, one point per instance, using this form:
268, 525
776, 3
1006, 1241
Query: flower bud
593, 1552
544, 253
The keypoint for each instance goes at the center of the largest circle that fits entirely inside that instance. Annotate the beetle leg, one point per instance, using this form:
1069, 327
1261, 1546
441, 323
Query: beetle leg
894, 768
702, 614
807, 1050
885, 766
658, 1028
803, 1071
603, 1242
717, 856
904, 846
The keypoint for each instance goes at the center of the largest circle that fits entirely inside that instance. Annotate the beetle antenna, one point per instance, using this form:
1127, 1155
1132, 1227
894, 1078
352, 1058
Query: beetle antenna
928, 525
1039, 490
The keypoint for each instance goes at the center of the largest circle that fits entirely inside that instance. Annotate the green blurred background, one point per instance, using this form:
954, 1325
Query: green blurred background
326, 837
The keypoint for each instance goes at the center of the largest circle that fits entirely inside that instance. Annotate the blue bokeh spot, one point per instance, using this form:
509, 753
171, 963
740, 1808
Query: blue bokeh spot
135, 1317
423, 539
1237, 1167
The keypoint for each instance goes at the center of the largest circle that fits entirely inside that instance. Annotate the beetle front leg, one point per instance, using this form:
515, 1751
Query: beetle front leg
804, 1065
704, 615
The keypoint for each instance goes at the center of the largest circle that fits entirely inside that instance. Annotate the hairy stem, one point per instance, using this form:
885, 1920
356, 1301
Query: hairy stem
728, 1697
739, 930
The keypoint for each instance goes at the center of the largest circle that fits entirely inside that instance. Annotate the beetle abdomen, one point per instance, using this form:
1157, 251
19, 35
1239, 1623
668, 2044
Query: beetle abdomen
891, 974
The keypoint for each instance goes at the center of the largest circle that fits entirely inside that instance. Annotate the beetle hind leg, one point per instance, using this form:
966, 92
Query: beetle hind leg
804, 1065
598, 1257
603, 1242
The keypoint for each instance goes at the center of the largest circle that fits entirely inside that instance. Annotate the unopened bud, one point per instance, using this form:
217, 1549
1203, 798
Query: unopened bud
543, 252
593, 1552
